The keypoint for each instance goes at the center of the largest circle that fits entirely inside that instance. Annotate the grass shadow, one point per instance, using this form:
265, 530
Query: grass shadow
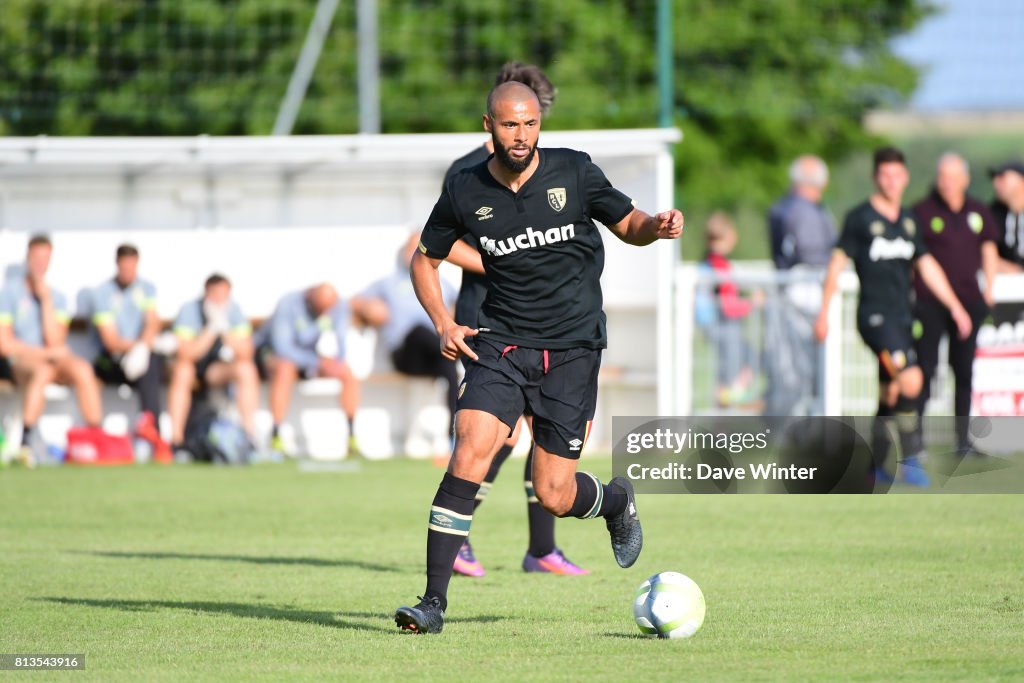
238, 609
627, 636
285, 561
333, 619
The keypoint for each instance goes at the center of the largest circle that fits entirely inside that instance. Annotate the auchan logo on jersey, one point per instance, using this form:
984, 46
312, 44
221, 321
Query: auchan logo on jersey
887, 250
527, 240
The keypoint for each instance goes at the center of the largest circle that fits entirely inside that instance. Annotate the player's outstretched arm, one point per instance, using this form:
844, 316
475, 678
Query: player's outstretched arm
935, 279
427, 284
640, 229
835, 267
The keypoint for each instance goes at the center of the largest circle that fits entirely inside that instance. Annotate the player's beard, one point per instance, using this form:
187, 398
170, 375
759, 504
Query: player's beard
507, 160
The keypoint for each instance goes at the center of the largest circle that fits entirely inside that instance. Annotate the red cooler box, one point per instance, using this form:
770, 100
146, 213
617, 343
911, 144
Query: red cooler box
93, 446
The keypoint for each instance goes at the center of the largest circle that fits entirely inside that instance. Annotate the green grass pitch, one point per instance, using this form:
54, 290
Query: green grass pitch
196, 573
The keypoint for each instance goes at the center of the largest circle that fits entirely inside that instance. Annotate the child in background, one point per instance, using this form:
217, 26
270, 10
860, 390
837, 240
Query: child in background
735, 375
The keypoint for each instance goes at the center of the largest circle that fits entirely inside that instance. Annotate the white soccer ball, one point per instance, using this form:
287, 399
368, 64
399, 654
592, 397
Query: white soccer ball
669, 605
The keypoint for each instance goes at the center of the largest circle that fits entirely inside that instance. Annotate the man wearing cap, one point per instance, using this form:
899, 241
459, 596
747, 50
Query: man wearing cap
1008, 211
961, 234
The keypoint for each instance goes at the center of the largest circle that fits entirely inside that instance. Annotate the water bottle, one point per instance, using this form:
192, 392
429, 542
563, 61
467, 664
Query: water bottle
143, 451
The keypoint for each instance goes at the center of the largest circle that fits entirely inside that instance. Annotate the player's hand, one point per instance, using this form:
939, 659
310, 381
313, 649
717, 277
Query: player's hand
217, 319
821, 328
39, 288
670, 224
453, 342
963, 322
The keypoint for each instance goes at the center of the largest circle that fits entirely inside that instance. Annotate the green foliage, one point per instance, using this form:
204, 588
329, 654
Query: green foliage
757, 81
762, 82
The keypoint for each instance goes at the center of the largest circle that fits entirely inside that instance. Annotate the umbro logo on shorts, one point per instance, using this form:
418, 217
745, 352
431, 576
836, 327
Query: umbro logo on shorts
575, 444
484, 212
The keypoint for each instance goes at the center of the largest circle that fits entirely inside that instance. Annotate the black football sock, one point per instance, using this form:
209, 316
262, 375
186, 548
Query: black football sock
542, 522
908, 422
450, 518
485, 486
26, 434
274, 431
594, 499
880, 438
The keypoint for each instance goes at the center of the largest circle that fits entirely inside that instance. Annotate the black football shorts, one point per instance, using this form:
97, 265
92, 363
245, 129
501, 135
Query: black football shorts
558, 387
890, 337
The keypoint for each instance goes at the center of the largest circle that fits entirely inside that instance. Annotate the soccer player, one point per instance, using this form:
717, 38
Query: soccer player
125, 324
541, 330
542, 554
215, 347
33, 348
884, 241
305, 337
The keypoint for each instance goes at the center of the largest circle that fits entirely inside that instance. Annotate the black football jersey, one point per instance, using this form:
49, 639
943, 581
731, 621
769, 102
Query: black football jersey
883, 254
542, 252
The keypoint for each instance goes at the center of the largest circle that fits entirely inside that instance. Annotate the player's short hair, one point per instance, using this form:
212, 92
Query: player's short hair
127, 250
532, 76
40, 240
216, 279
887, 155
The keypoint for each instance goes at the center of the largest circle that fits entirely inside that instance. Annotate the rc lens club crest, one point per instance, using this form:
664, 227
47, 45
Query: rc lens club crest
556, 198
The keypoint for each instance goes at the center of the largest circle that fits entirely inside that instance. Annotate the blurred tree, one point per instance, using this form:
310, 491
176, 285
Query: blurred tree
758, 81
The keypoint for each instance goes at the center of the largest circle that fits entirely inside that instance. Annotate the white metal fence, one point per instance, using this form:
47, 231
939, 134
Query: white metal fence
781, 370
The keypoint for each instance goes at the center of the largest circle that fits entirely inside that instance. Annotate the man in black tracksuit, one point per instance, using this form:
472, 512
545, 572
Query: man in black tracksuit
960, 233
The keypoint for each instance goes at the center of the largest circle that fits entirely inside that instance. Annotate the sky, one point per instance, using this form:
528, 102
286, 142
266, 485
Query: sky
972, 55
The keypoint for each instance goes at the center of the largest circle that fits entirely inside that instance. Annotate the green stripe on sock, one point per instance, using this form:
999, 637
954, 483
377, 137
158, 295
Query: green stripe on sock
485, 488
449, 522
600, 497
531, 494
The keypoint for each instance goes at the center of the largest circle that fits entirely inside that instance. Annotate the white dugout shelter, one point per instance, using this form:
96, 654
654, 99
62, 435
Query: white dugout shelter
276, 214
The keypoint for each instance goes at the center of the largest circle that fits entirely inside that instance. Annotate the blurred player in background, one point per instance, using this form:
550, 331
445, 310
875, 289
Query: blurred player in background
34, 322
125, 325
1008, 211
961, 234
305, 337
541, 330
542, 555
214, 348
884, 241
